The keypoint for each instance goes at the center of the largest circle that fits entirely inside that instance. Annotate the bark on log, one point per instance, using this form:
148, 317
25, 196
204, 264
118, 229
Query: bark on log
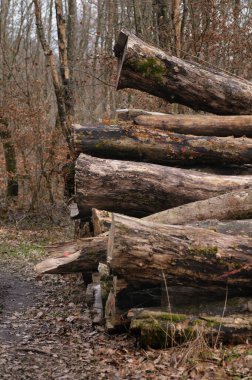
147, 68
127, 114
137, 143
233, 205
81, 255
233, 227
159, 329
199, 125
142, 251
141, 189
102, 221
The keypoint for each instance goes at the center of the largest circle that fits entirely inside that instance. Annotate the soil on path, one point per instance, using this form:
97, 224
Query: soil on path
46, 332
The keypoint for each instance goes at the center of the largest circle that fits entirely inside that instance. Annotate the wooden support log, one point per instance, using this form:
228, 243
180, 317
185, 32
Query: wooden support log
123, 296
139, 143
159, 329
81, 255
142, 251
147, 68
233, 205
141, 189
94, 299
199, 125
102, 221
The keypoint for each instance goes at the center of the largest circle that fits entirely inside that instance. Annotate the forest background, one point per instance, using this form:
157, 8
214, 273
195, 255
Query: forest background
57, 68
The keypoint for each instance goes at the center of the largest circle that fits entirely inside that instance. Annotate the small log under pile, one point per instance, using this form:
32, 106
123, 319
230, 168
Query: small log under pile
160, 329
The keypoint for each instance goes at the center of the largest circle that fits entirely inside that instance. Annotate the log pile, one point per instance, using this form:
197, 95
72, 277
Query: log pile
169, 199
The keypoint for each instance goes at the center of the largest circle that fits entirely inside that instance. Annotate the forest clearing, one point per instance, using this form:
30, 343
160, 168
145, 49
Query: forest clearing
126, 204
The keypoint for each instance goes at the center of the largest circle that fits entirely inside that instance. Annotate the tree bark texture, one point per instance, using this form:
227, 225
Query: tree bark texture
147, 68
142, 251
141, 189
81, 255
102, 219
228, 206
139, 143
159, 329
199, 125
129, 114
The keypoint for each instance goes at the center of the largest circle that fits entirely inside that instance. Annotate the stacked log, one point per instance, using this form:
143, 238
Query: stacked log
172, 242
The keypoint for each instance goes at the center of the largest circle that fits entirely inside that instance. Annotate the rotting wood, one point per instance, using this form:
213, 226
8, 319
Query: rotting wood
138, 143
160, 329
141, 189
147, 68
199, 125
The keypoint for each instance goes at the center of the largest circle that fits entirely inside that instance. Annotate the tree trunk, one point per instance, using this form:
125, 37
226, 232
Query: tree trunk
147, 68
81, 255
233, 205
127, 114
142, 251
102, 221
139, 143
160, 329
140, 189
199, 125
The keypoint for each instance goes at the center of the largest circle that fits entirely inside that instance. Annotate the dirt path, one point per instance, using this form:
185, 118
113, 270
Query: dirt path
46, 333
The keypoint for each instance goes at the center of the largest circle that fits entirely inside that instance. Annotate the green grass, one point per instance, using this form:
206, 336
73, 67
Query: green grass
21, 250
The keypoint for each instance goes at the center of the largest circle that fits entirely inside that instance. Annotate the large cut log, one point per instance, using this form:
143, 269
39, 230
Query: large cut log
81, 255
199, 125
142, 251
140, 189
137, 143
160, 329
147, 68
102, 219
233, 205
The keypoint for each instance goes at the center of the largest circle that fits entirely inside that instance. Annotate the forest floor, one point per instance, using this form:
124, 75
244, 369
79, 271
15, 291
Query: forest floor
46, 331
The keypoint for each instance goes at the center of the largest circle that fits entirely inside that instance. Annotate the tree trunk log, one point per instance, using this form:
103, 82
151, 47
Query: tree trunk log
140, 189
142, 251
139, 143
127, 114
199, 125
159, 329
82, 255
233, 205
147, 68
102, 221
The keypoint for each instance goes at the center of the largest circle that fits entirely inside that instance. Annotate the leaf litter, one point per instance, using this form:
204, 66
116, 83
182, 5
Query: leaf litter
46, 332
